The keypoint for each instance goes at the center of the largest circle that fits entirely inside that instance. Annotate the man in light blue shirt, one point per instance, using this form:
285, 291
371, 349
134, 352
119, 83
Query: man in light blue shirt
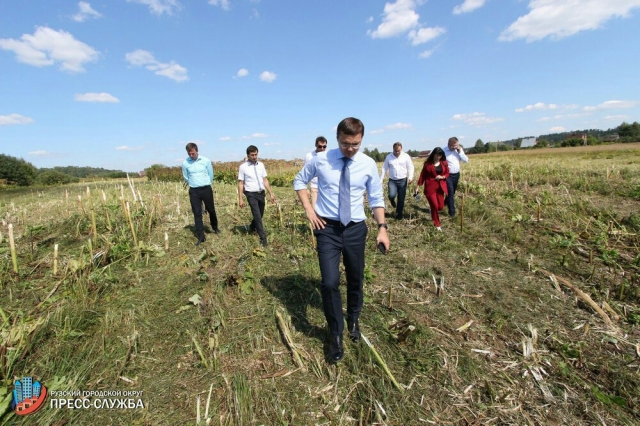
339, 224
198, 173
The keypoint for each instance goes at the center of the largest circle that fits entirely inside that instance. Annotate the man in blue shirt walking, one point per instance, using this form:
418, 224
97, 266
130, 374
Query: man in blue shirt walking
339, 225
198, 173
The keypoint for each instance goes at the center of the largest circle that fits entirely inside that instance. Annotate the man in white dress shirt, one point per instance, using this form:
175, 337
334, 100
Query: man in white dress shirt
321, 145
401, 169
455, 154
252, 181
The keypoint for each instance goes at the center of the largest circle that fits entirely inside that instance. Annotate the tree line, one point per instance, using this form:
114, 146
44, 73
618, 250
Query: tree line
624, 133
22, 173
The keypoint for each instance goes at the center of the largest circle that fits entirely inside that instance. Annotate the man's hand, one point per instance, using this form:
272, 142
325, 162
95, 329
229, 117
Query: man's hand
272, 198
241, 203
315, 220
383, 238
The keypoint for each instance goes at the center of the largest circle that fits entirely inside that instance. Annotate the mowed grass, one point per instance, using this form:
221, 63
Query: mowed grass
503, 342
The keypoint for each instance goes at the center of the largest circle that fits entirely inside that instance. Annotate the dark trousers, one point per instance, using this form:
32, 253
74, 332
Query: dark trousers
398, 187
256, 203
197, 196
332, 241
452, 185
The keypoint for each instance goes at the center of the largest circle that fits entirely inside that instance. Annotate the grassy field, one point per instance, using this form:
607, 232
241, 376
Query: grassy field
537, 320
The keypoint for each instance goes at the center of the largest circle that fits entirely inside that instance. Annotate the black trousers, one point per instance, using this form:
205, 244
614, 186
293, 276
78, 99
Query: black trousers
332, 241
256, 202
197, 196
452, 185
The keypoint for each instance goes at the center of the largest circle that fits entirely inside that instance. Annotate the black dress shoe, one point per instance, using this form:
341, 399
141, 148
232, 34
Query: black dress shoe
216, 230
354, 330
336, 350
201, 240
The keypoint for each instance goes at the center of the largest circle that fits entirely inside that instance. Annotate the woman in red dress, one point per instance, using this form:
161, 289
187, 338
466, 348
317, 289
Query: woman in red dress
434, 177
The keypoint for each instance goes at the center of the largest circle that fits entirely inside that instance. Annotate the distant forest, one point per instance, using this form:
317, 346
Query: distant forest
19, 172
16, 171
624, 133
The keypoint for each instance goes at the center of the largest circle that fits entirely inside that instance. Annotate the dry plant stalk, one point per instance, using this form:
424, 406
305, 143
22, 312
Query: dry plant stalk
582, 295
382, 363
133, 229
462, 214
55, 259
289, 341
12, 246
94, 228
166, 241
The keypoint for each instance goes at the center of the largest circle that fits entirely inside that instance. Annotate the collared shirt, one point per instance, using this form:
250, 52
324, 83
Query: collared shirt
400, 167
314, 182
197, 173
327, 166
454, 158
253, 176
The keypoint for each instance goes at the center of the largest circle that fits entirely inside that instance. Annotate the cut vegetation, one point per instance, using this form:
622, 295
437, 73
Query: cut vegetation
525, 310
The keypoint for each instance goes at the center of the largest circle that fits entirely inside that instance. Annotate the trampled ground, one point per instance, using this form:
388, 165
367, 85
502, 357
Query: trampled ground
507, 341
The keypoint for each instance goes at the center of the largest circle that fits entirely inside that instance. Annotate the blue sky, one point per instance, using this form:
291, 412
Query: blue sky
124, 84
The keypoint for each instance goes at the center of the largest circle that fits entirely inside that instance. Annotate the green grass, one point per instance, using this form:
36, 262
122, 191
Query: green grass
121, 318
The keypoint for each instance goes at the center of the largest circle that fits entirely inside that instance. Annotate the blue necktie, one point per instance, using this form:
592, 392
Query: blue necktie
345, 193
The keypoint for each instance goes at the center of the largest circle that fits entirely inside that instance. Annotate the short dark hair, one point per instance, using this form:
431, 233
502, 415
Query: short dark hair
350, 126
397, 144
252, 148
432, 155
191, 146
321, 139
453, 139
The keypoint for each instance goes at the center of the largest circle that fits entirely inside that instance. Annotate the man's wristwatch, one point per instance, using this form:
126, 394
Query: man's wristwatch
383, 225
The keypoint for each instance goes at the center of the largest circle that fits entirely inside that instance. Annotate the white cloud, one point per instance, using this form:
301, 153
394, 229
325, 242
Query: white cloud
424, 35
272, 144
426, 53
224, 4
159, 7
170, 70
225, 138
254, 14
6, 120
255, 135
242, 72
564, 18
557, 129
268, 76
369, 20
96, 97
537, 106
561, 117
47, 47
39, 153
398, 18
468, 6
613, 105
129, 148
541, 106
394, 126
477, 119
85, 12
616, 117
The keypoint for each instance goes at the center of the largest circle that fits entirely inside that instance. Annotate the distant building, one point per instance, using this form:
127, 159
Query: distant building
424, 154
582, 136
611, 138
528, 142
